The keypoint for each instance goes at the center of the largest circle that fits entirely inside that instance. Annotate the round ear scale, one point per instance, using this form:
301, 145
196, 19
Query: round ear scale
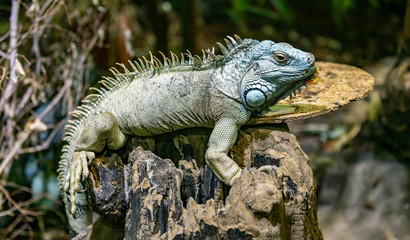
255, 97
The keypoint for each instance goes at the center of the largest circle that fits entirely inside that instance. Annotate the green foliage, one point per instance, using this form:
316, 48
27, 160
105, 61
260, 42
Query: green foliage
242, 12
340, 8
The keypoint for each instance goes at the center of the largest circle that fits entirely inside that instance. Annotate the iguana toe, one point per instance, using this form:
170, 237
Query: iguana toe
268, 168
78, 172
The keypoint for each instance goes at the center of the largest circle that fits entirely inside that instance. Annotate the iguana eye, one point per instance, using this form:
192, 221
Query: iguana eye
280, 57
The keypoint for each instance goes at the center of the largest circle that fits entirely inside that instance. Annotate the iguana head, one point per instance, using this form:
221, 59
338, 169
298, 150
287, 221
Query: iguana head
276, 71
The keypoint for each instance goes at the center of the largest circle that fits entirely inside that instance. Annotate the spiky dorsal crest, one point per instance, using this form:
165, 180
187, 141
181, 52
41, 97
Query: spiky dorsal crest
187, 61
143, 67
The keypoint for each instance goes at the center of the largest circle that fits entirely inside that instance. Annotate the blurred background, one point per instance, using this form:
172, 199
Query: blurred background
52, 51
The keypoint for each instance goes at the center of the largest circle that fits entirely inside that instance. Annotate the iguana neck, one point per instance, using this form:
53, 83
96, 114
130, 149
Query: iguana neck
228, 77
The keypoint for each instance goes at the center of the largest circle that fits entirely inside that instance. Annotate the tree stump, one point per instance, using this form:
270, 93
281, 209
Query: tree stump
150, 198
140, 194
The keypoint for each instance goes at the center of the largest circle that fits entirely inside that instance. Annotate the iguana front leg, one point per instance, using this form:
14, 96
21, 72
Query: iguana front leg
102, 131
222, 138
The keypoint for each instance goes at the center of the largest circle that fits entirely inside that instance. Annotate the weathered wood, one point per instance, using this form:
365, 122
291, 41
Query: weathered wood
189, 202
106, 187
337, 86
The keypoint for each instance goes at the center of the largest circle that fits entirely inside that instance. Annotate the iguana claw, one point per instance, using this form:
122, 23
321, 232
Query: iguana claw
78, 172
268, 168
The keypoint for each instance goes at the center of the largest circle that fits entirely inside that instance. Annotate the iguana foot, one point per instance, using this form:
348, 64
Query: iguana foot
223, 166
78, 172
268, 169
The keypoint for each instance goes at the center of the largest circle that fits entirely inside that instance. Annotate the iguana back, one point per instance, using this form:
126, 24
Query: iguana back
163, 103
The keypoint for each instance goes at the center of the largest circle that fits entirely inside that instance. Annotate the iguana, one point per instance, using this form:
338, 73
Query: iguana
155, 97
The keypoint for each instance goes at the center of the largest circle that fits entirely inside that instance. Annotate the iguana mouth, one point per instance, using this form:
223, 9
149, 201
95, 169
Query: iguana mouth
298, 84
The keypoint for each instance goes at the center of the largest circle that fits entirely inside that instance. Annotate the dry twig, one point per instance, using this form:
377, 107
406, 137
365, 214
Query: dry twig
54, 69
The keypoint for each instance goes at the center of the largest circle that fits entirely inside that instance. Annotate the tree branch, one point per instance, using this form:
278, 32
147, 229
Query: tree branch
15, 7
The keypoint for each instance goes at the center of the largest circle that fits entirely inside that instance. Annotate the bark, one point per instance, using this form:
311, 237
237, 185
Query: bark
161, 201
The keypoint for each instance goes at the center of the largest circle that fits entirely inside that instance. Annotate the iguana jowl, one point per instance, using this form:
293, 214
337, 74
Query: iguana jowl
216, 91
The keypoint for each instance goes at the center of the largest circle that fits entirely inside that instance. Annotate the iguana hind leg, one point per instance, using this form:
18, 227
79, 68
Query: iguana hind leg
102, 131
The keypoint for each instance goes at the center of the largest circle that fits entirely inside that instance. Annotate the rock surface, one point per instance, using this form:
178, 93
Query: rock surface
189, 202
373, 203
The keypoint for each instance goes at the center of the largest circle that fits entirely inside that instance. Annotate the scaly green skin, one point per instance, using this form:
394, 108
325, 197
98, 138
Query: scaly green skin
219, 92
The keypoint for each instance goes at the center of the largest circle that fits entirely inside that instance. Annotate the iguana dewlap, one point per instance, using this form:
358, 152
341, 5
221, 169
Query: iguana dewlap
218, 92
